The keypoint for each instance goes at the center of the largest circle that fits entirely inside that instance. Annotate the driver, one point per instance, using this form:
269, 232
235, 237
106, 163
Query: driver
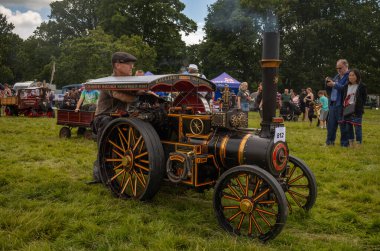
113, 101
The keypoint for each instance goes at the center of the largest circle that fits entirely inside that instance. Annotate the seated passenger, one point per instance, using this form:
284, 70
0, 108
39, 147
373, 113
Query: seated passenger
88, 99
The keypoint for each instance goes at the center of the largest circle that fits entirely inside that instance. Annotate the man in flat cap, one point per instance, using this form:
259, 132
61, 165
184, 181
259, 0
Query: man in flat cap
113, 101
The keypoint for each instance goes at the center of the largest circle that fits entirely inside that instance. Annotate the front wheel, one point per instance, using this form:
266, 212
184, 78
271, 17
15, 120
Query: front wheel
249, 201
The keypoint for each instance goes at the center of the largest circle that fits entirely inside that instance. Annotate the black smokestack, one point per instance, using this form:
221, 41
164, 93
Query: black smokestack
269, 63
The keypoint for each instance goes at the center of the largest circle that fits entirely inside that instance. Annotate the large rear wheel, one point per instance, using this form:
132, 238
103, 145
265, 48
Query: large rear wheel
131, 159
249, 201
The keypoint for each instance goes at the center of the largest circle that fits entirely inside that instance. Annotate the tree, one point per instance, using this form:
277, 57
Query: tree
158, 22
314, 34
69, 19
90, 56
10, 44
232, 42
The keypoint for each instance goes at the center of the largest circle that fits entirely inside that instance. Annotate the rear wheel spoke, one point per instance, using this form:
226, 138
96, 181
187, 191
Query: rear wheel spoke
115, 145
233, 191
240, 185
121, 136
117, 175
125, 185
234, 216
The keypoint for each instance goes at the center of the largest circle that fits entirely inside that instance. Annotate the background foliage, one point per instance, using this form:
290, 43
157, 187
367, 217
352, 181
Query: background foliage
45, 203
314, 34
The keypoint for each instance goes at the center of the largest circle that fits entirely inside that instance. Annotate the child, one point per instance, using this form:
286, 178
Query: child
324, 108
311, 113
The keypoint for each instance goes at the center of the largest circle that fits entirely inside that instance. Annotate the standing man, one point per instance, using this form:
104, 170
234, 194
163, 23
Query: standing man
113, 101
335, 88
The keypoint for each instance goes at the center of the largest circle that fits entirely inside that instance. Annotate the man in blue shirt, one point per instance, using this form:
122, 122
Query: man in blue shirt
335, 87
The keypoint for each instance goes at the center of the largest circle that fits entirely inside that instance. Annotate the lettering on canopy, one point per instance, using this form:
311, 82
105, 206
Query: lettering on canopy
173, 79
166, 83
118, 86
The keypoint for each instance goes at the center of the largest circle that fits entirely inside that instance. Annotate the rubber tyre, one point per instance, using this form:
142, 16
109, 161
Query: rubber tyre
132, 166
65, 132
241, 210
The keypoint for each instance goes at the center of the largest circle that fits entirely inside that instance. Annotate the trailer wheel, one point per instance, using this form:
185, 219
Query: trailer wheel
87, 134
249, 201
81, 131
65, 132
8, 111
131, 159
299, 184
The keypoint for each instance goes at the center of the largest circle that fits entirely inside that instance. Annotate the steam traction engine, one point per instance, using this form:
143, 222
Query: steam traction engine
256, 182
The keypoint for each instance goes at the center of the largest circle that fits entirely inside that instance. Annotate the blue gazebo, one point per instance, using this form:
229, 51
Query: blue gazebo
148, 73
223, 79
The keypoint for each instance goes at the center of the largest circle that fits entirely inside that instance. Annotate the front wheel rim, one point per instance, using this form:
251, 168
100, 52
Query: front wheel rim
247, 204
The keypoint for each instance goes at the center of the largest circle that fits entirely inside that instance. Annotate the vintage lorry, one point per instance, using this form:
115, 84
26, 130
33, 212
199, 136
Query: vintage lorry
29, 101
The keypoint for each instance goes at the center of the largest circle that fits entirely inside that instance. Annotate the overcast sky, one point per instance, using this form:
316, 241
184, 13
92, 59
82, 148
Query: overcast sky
27, 15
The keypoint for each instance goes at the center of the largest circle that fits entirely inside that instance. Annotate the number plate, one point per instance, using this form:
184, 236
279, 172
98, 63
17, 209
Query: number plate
279, 134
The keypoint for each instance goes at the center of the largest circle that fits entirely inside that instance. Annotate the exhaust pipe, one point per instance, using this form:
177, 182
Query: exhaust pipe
269, 64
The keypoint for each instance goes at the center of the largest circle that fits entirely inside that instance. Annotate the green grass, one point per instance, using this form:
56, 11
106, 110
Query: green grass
46, 205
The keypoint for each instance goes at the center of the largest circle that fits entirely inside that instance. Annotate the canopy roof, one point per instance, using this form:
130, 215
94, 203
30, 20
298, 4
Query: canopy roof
223, 79
156, 83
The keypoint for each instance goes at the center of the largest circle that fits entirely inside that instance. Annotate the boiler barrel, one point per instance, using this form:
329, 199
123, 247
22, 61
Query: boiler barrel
240, 149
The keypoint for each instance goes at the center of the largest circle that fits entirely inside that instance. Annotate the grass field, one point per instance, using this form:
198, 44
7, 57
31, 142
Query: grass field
45, 203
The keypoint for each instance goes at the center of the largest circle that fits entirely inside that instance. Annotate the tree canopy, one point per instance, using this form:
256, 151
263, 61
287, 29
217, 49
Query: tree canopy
80, 36
90, 56
10, 43
314, 35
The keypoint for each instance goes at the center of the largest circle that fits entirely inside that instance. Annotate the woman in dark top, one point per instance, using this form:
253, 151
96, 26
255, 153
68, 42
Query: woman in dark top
355, 92
308, 98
